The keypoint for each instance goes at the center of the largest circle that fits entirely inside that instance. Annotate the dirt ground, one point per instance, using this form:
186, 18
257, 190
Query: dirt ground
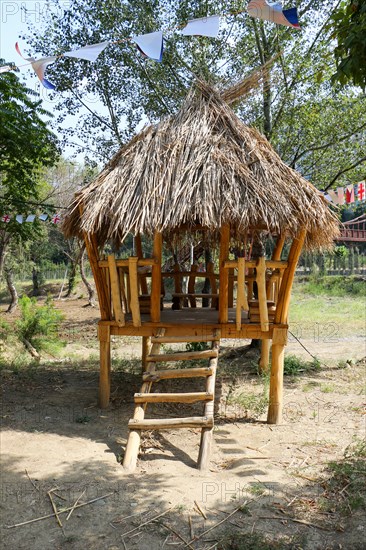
55, 438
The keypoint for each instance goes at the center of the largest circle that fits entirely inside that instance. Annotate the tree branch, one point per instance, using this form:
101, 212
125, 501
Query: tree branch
360, 161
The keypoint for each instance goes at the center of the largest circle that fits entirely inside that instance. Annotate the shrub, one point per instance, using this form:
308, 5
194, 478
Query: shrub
38, 323
295, 365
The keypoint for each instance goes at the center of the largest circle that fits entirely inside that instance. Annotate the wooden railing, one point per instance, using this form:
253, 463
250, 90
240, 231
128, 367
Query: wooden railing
267, 286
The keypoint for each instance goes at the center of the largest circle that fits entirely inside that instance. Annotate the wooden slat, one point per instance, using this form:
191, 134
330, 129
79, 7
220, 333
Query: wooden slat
182, 356
212, 276
176, 373
134, 291
262, 296
204, 337
187, 295
230, 290
241, 298
140, 255
124, 263
270, 264
115, 290
193, 397
224, 275
156, 278
122, 286
170, 423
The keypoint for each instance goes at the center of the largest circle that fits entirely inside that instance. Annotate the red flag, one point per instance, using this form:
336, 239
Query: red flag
350, 194
361, 191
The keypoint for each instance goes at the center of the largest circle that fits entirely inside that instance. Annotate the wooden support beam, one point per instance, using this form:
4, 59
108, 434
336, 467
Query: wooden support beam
156, 278
134, 291
193, 397
139, 253
115, 290
206, 336
262, 295
91, 246
288, 278
230, 291
104, 337
146, 348
224, 275
241, 297
276, 385
212, 277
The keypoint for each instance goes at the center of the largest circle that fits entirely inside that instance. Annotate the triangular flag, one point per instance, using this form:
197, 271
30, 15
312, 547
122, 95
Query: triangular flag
206, 26
39, 66
56, 218
30, 218
43, 217
6, 218
89, 53
272, 11
340, 193
19, 218
361, 191
150, 45
350, 194
333, 196
328, 197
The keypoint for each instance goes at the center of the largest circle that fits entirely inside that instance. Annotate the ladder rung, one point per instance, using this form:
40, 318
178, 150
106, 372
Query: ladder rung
182, 356
176, 373
166, 424
182, 339
193, 397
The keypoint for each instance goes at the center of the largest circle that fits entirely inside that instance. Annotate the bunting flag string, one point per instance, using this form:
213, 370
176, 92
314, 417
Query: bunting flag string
19, 218
347, 195
151, 45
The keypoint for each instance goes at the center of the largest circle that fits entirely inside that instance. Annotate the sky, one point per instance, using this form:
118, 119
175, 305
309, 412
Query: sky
15, 16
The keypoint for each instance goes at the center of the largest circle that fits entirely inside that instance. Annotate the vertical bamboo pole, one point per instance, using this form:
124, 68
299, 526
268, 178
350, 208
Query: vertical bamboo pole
264, 359
224, 275
105, 365
156, 278
231, 288
276, 381
212, 277
146, 347
116, 291
134, 291
241, 298
262, 295
139, 254
276, 385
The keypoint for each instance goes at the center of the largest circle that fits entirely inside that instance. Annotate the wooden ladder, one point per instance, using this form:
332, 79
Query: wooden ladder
153, 374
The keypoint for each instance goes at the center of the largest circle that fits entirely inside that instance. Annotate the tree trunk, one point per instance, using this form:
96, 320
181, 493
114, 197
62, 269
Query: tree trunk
72, 279
91, 294
12, 290
4, 241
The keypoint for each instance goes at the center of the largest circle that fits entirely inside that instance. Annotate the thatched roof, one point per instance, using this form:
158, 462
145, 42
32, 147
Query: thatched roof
201, 166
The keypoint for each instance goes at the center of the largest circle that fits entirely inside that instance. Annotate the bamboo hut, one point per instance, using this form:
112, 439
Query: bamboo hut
199, 175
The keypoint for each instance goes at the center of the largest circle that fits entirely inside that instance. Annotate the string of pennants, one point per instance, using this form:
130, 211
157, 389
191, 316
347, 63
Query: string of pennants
55, 218
347, 195
151, 45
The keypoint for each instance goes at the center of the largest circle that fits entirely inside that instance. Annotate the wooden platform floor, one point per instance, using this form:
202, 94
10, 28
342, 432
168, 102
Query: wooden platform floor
194, 316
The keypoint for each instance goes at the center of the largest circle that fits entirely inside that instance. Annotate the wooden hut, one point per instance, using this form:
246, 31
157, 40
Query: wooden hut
201, 175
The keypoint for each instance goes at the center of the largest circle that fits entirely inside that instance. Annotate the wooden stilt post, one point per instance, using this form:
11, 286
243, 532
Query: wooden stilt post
224, 274
280, 338
139, 254
105, 365
276, 385
156, 278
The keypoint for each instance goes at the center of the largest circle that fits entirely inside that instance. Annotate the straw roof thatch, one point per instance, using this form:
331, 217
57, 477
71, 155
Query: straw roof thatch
202, 166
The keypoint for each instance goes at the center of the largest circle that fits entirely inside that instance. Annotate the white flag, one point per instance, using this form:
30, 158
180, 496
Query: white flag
150, 45
43, 217
272, 11
19, 218
30, 218
206, 26
89, 53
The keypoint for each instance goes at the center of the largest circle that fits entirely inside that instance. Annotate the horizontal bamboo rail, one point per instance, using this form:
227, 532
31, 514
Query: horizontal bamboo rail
270, 264
193, 397
124, 263
169, 423
195, 372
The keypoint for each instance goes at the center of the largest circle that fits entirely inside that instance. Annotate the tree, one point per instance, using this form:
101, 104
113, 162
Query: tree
26, 147
296, 108
349, 29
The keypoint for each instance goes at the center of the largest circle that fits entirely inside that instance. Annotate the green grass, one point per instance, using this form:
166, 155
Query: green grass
336, 285
295, 365
326, 317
